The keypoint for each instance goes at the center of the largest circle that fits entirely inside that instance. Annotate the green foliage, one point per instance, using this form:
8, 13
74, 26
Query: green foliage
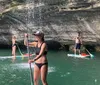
0, 14
14, 3
19, 1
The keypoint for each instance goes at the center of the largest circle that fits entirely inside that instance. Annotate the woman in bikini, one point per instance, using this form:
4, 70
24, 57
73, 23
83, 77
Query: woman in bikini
14, 47
41, 63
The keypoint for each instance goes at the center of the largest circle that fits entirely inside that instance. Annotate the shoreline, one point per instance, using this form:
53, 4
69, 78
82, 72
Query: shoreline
54, 45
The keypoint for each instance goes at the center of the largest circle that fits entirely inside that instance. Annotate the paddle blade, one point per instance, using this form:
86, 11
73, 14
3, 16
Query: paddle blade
22, 57
92, 56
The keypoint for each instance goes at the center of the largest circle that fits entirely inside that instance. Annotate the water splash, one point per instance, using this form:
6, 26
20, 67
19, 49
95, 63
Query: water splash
95, 80
66, 74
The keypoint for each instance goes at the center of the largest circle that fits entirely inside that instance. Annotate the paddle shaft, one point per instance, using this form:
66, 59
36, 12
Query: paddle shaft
31, 73
88, 51
19, 49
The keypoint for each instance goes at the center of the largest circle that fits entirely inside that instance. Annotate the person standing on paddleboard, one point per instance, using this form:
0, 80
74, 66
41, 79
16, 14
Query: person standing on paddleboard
41, 63
14, 47
78, 42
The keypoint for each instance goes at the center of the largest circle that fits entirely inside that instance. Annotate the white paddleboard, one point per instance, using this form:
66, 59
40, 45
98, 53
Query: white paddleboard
8, 57
76, 55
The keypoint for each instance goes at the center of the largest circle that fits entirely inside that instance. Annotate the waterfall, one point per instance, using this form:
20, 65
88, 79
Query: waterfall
33, 15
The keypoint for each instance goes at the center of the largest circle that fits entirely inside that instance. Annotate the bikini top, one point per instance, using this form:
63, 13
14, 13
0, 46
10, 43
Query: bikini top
37, 50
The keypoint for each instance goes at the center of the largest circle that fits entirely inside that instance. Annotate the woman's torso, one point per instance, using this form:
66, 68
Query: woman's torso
42, 58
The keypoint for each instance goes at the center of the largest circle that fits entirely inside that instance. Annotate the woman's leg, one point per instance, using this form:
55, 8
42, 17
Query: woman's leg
36, 74
14, 51
44, 71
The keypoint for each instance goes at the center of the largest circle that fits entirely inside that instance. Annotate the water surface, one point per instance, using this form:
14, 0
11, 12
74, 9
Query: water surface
63, 70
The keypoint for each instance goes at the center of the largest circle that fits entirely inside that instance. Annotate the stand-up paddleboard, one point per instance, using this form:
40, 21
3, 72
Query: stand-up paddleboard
8, 57
77, 56
20, 56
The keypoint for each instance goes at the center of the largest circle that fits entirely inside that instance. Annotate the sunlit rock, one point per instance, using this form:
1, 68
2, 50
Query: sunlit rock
60, 20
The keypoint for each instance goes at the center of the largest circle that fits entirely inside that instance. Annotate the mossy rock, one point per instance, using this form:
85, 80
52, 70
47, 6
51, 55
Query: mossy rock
97, 48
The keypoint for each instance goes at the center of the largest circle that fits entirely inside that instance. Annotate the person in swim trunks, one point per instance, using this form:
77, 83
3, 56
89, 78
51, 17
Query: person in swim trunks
78, 42
41, 63
14, 47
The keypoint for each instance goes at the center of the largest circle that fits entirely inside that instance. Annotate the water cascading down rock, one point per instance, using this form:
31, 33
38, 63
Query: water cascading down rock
58, 24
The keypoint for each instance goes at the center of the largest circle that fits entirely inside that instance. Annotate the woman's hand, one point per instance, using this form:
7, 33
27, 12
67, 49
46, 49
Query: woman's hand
30, 61
26, 35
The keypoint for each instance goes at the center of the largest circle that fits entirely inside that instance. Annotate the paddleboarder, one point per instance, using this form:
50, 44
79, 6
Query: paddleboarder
78, 42
14, 47
41, 63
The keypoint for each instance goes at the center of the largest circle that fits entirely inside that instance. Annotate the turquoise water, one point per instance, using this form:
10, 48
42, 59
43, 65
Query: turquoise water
63, 70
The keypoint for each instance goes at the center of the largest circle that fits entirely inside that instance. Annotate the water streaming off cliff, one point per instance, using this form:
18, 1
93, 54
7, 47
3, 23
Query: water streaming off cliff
22, 16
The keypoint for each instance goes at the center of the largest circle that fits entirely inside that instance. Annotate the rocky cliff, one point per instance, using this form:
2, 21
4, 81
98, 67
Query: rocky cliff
60, 20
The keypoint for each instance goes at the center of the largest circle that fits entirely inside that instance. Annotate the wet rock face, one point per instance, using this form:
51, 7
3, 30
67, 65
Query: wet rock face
97, 48
23, 16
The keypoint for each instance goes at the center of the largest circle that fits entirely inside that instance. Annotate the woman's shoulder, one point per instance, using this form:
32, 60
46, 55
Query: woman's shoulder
44, 44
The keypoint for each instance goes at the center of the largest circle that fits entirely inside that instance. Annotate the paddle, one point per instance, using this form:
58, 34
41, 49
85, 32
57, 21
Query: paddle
92, 56
28, 51
20, 52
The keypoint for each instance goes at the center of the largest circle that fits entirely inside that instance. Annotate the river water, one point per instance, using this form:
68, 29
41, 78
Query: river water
63, 70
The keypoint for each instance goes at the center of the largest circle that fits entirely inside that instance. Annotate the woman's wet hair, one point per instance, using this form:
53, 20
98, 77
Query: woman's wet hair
43, 38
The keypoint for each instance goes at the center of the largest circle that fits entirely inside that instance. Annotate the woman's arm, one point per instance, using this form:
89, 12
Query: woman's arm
32, 44
25, 41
